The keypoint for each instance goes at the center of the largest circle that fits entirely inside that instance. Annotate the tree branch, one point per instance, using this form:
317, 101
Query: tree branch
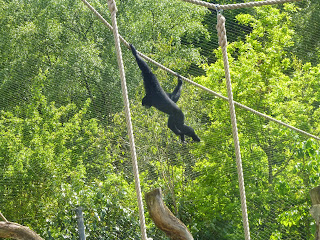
163, 217
17, 231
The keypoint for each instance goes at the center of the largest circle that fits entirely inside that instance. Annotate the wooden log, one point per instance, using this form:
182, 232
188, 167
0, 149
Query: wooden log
315, 209
17, 231
164, 218
315, 195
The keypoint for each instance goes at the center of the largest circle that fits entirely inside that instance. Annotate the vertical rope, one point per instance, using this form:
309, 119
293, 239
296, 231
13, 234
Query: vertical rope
113, 10
223, 43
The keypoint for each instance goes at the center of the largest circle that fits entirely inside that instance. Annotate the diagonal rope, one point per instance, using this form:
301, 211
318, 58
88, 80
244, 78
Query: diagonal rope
238, 5
223, 43
113, 10
225, 98
105, 22
202, 87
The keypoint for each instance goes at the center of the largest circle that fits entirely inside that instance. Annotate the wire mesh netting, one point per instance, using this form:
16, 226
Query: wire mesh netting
64, 141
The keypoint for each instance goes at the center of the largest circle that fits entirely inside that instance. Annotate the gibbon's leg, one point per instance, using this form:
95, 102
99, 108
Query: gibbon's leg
174, 129
155, 96
178, 119
175, 95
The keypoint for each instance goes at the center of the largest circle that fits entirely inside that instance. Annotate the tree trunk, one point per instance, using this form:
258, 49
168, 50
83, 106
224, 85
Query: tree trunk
315, 210
163, 217
17, 231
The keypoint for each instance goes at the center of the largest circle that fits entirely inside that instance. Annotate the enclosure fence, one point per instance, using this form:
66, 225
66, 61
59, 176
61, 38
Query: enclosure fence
223, 43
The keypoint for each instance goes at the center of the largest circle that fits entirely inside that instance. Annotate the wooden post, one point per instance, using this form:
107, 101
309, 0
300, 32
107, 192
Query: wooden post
315, 209
163, 217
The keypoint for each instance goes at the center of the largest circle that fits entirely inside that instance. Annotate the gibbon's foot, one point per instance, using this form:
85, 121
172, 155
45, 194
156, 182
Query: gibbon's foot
196, 138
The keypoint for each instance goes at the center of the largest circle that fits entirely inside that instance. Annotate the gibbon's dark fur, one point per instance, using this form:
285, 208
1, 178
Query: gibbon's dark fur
165, 102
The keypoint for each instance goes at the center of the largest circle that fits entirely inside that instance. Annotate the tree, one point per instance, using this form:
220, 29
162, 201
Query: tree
269, 79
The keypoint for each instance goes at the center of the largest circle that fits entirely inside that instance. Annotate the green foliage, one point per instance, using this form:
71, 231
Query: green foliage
159, 26
63, 133
307, 42
269, 79
51, 159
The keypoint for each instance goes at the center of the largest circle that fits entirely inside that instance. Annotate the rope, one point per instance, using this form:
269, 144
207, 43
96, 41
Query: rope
200, 86
113, 10
238, 5
223, 43
1, 215
225, 98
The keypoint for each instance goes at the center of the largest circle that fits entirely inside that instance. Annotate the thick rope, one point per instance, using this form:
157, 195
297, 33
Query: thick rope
200, 86
223, 43
113, 10
238, 5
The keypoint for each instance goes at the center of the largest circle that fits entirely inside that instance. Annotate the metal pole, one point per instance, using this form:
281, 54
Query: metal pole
82, 235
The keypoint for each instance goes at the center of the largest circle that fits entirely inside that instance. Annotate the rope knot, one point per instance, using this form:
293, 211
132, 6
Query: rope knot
217, 7
112, 6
